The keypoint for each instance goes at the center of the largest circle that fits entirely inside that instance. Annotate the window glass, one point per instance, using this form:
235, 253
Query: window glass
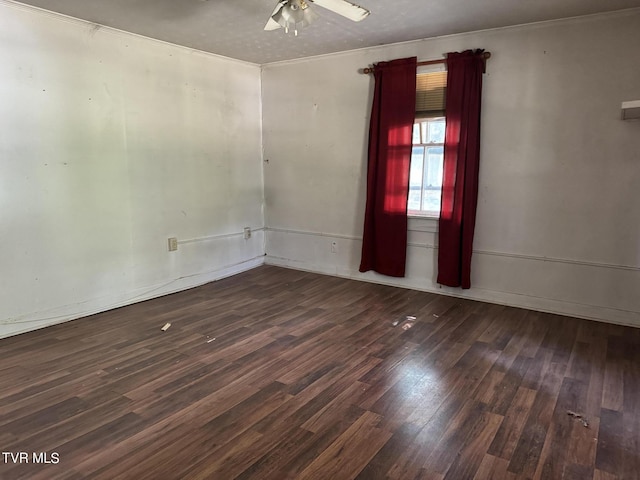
425, 175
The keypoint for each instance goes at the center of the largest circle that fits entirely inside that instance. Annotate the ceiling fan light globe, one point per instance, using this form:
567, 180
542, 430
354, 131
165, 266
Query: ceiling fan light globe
294, 14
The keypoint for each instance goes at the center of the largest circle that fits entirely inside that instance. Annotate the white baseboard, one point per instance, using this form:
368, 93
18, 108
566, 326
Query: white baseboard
529, 302
66, 313
588, 290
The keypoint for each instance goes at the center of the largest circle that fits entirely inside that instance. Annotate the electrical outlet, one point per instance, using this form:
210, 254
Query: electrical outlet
334, 247
247, 233
173, 244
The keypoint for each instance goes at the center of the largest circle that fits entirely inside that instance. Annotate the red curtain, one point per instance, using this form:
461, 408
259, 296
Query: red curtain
384, 245
461, 162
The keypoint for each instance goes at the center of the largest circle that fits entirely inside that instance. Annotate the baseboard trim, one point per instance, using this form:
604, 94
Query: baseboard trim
65, 313
529, 302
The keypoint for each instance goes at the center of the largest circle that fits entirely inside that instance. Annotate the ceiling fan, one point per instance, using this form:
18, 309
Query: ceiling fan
291, 14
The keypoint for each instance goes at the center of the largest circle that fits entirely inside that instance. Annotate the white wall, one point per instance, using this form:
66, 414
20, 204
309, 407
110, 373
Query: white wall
109, 144
558, 224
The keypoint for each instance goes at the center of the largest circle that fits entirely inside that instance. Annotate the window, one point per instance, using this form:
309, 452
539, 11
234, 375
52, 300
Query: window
425, 175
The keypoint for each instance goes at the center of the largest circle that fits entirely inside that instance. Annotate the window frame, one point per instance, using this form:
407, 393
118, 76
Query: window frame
432, 214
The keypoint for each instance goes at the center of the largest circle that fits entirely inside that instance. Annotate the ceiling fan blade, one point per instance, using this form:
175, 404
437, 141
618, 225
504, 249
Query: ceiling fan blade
271, 23
346, 9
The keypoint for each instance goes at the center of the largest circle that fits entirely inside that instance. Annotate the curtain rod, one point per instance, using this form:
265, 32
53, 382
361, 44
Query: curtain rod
486, 56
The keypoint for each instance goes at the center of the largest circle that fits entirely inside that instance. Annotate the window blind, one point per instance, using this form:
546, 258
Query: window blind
430, 94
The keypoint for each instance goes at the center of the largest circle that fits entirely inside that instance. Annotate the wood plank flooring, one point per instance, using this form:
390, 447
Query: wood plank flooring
280, 374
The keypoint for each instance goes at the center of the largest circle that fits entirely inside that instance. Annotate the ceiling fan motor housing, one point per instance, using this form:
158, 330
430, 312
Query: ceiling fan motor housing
293, 11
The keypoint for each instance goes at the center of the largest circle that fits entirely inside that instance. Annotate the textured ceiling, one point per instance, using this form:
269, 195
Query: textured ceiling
234, 28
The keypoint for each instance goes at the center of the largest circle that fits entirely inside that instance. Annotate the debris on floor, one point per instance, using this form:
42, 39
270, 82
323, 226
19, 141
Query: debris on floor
211, 340
165, 327
408, 322
578, 416
436, 315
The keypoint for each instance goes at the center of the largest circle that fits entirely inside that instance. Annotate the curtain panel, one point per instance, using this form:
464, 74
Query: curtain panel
461, 166
384, 245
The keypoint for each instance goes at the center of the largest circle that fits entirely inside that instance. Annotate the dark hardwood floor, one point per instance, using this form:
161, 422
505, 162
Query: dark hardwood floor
276, 374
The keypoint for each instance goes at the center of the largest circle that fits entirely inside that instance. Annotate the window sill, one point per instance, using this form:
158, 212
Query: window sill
423, 223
